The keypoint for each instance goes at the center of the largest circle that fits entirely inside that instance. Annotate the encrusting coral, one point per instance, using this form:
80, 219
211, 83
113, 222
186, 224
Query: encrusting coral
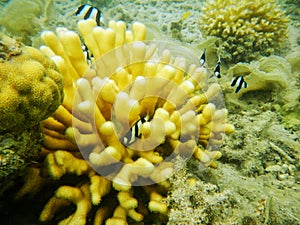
125, 179
247, 29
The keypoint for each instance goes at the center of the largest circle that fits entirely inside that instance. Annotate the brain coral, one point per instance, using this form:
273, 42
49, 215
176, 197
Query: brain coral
247, 29
130, 80
31, 88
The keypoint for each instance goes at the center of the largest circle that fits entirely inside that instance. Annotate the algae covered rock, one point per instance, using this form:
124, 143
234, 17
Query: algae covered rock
17, 151
247, 29
31, 87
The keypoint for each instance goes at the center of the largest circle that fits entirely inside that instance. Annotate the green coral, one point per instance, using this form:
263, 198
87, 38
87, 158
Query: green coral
23, 23
31, 89
26, 18
271, 79
269, 73
247, 29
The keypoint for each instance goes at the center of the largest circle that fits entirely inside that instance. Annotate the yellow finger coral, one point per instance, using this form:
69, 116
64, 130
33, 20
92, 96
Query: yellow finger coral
131, 112
247, 29
31, 88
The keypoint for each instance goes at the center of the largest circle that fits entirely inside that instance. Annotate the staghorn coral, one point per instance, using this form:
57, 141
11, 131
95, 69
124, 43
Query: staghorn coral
129, 80
31, 88
246, 29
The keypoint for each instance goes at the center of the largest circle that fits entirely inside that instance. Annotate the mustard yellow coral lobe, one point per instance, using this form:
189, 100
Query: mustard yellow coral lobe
129, 80
31, 88
247, 28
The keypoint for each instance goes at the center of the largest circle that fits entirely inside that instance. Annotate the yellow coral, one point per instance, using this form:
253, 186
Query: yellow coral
247, 28
129, 80
31, 88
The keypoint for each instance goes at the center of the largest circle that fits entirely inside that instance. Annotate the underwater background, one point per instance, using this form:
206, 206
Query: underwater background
257, 180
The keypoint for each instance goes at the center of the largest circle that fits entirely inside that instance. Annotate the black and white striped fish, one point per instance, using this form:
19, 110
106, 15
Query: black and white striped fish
217, 71
134, 132
240, 83
87, 55
87, 11
203, 58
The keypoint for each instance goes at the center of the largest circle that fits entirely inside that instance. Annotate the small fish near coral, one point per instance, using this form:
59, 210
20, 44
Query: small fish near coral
240, 83
87, 11
217, 71
237, 80
203, 58
134, 132
87, 54
186, 15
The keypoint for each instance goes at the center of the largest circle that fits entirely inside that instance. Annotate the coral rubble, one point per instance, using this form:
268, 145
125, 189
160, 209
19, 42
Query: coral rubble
257, 180
89, 136
247, 29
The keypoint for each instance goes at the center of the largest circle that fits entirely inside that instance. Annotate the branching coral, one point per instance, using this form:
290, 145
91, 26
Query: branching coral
130, 81
31, 88
247, 29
